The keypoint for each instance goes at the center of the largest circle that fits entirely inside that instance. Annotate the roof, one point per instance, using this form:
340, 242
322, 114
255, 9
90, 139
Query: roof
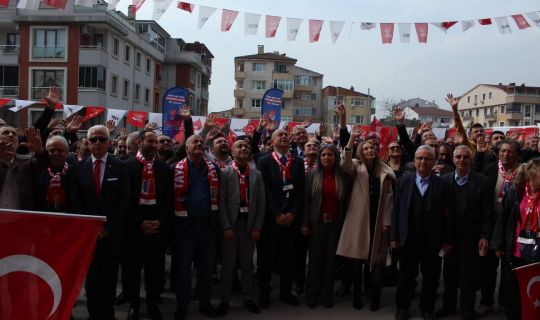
340, 91
431, 111
508, 88
199, 48
306, 72
267, 56
417, 102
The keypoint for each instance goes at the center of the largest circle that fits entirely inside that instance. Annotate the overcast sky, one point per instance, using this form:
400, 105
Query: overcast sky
451, 62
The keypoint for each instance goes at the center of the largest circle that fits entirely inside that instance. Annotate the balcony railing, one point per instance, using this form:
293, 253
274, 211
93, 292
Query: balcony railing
93, 47
43, 52
9, 92
37, 93
11, 49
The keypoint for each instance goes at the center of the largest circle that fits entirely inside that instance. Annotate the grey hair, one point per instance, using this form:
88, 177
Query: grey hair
57, 138
98, 127
462, 147
298, 127
425, 147
131, 138
193, 136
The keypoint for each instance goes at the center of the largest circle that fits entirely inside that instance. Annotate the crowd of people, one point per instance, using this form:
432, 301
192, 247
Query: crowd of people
315, 209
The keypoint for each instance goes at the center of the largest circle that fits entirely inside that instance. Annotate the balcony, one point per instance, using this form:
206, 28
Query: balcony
9, 92
303, 103
9, 49
239, 93
46, 52
96, 55
299, 87
491, 116
514, 115
287, 94
239, 74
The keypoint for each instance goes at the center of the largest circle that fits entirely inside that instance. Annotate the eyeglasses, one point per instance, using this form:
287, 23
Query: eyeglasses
96, 139
423, 159
461, 157
165, 141
394, 148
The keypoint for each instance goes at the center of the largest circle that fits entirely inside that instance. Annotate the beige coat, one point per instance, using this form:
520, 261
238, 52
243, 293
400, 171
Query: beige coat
355, 236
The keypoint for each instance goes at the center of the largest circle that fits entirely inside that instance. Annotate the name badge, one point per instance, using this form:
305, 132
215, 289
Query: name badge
288, 187
112, 179
243, 209
526, 240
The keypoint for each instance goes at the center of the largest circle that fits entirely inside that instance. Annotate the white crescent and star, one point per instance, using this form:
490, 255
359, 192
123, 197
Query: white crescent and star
38, 267
529, 286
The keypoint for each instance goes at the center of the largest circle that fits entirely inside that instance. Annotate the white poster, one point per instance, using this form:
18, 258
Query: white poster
503, 25
115, 115
251, 23
292, 28
404, 32
204, 14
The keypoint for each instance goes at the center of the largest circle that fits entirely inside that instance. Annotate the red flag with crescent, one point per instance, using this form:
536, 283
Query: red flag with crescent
529, 290
44, 258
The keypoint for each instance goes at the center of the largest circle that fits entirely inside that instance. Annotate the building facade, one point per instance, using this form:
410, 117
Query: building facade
254, 74
501, 105
94, 56
359, 106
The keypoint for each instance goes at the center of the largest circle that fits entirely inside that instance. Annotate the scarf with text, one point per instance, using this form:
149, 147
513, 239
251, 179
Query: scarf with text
55, 193
308, 167
181, 181
508, 178
285, 169
148, 181
532, 212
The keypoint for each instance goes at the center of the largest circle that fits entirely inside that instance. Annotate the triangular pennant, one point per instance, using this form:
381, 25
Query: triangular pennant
21, 104
251, 23
387, 32
292, 28
485, 21
92, 112
160, 6
272, 24
227, 19
86, 3
335, 29
503, 25
115, 115
136, 5
367, 25
204, 14
444, 26
157, 118
137, 118
467, 24
185, 6
315, 27
421, 32
533, 16
70, 109
404, 32
521, 22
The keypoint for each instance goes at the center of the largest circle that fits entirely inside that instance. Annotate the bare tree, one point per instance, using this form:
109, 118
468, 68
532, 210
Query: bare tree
387, 107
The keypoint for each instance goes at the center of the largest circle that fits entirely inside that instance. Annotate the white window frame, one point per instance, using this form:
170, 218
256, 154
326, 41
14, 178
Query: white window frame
137, 92
128, 61
31, 44
113, 76
125, 95
254, 69
254, 85
138, 63
30, 80
148, 66
115, 55
146, 96
254, 105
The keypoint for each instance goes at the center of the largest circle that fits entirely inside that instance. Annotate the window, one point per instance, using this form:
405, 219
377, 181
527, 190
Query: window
137, 96
240, 67
501, 124
312, 96
468, 99
475, 98
148, 65
335, 119
338, 100
146, 96
116, 47
9, 81
138, 58
92, 77
297, 96
280, 68
483, 96
43, 80
357, 102
502, 109
114, 85
527, 123
125, 89
258, 85
240, 84
490, 95
127, 53
199, 79
49, 44
283, 84
304, 111
305, 81
259, 67
537, 109
240, 103
513, 108
192, 78
477, 112
13, 39
527, 110
255, 103
357, 119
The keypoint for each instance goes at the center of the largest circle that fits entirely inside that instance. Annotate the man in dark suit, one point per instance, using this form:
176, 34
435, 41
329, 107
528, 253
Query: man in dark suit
150, 213
474, 224
422, 229
283, 175
100, 186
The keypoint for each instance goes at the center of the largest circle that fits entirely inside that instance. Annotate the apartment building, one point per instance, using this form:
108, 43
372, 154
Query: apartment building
501, 105
95, 56
254, 74
423, 110
359, 106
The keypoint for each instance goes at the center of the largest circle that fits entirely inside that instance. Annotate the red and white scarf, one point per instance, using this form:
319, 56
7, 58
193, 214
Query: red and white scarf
222, 165
243, 182
181, 178
148, 181
508, 178
285, 170
55, 193
532, 212
308, 167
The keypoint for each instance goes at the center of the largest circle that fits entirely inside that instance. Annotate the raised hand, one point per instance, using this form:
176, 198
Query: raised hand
270, 125
151, 126
515, 135
210, 122
51, 97
34, 140
399, 115
458, 139
426, 126
340, 110
481, 145
212, 134
53, 123
263, 122
453, 101
307, 122
185, 113
111, 126
74, 124
335, 133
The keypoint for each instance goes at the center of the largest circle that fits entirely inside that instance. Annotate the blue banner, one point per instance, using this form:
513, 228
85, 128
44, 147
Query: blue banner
271, 104
173, 100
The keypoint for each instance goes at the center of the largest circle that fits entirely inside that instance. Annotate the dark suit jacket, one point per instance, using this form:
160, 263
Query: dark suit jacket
113, 200
273, 183
163, 209
439, 224
492, 173
41, 184
478, 220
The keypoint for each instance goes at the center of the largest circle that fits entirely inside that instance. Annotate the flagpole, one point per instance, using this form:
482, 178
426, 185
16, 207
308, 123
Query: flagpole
57, 214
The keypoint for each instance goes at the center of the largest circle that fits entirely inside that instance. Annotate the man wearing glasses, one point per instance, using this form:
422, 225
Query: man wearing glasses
422, 230
165, 150
100, 186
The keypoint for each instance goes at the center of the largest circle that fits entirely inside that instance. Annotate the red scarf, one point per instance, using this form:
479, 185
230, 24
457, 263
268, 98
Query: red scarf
55, 193
532, 211
148, 181
243, 181
181, 179
285, 170
508, 178
307, 167
222, 165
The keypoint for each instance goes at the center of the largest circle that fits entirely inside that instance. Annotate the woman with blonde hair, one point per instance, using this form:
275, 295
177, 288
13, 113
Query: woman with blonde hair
364, 236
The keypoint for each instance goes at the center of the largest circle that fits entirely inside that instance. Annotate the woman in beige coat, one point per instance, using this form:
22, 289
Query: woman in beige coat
363, 238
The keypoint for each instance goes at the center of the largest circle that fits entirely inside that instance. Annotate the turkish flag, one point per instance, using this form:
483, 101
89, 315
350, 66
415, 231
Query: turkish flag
3, 102
529, 290
137, 118
92, 112
185, 6
44, 258
60, 4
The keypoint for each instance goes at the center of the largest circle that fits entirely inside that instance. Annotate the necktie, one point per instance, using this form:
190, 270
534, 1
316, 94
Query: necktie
97, 175
283, 160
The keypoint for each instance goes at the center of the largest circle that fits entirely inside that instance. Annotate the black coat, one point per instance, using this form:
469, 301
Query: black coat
504, 233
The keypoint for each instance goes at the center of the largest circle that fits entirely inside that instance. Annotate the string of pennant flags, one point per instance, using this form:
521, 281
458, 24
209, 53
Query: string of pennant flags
272, 23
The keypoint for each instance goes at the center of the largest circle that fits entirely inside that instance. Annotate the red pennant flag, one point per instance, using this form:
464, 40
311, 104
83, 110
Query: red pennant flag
60, 4
529, 290
444, 26
136, 5
137, 118
387, 32
3, 102
520, 21
272, 24
221, 122
485, 22
185, 6
227, 19
421, 31
315, 27
250, 127
376, 125
4, 3
43, 262
92, 112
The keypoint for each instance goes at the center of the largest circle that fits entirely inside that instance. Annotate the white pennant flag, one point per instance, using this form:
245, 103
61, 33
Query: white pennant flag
86, 3
28, 5
157, 118
367, 25
160, 6
335, 29
115, 115
237, 126
404, 32
204, 14
503, 25
467, 24
70, 109
251, 23
533, 16
112, 4
292, 28
21, 104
